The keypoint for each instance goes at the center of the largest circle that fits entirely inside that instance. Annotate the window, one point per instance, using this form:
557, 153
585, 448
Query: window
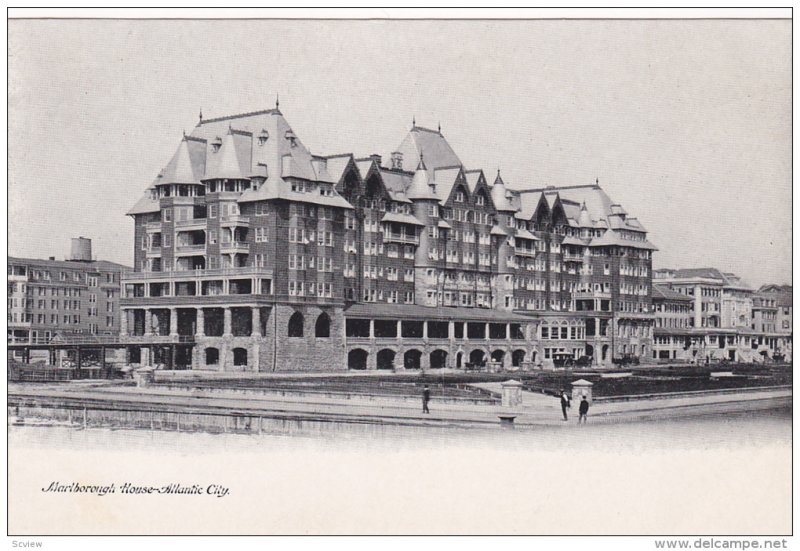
459, 196
261, 235
167, 215
296, 325
212, 211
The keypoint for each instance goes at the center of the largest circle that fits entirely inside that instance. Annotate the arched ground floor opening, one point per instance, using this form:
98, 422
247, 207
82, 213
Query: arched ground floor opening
412, 359
386, 359
438, 359
357, 359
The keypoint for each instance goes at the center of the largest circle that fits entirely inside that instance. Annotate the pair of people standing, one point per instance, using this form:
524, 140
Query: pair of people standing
583, 409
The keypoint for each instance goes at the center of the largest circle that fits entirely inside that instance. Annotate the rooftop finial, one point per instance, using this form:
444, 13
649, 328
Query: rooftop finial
440, 127
414, 121
421, 161
184, 133
201, 114
597, 181
277, 102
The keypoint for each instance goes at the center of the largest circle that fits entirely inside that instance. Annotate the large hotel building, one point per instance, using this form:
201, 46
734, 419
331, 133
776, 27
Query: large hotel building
252, 254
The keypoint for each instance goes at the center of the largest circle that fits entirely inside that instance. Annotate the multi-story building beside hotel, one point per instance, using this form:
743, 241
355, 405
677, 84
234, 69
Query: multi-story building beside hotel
673, 325
727, 320
783, 302
49, 297
253, 254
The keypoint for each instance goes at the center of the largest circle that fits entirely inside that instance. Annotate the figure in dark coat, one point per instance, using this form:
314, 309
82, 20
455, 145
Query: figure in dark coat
583, 409
426, 397
564, 404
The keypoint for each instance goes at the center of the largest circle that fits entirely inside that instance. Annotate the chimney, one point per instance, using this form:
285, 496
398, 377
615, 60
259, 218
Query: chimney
52, 258
377, 158
397, 160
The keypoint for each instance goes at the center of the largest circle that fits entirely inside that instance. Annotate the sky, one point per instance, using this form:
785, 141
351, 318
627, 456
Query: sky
687, 124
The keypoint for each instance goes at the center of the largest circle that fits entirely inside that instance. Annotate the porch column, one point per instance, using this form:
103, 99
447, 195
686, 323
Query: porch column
227, 332
148, 322
200, 331
173, 322
256, 321
123, 323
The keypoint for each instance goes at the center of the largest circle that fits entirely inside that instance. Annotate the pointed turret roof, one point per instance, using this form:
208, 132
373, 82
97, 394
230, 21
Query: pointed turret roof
229, 161
584, 220
420, 185
187, 165
499, 198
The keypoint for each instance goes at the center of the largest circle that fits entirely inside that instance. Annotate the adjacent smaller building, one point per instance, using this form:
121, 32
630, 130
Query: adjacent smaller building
703, 315
49, 297
672, 335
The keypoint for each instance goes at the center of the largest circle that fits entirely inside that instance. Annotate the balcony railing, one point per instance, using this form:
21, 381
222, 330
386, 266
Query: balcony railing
522, 251
154, 251
190, 274
389, 237
156, 338
152, 226
235, 220
195, 223
190, 249
235, 247
591, 294
572, 257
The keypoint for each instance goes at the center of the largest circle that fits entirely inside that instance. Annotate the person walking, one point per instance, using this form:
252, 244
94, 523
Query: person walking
564, 403
426, 397
583, 409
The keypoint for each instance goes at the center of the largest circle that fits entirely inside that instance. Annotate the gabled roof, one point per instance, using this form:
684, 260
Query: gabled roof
661, 292
401, 218
473, 177
260, 143
145, 205
446, 180
275, 188
529, 202
337, 164
612, 238
88, 266
363, 166
601, 211
396, 184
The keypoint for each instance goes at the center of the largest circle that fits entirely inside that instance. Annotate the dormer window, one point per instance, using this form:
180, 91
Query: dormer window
263, 136
291, 137
459, 196
480, 201
216, 144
